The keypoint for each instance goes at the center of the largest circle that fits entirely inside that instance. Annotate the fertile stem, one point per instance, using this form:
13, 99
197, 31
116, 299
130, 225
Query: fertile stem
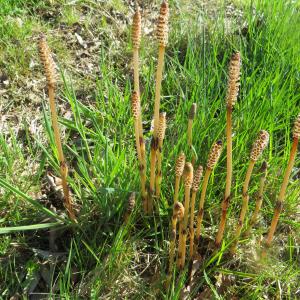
180, 230
188, 181
162, 36
279, 203
140, 144
49, 67
257, 149
176, 188
201, 203
161, 136
225, 202
139, 141
259, 198
232, 93
143, 165
245, 198
178, 213
180, 162
159, 72
136, 41
213, 158
195, 188
154, 142
154, 147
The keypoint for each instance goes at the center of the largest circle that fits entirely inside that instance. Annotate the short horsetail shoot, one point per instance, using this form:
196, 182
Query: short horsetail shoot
213, 158
258, 147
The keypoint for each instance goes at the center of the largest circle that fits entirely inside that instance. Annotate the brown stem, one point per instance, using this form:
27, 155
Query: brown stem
176, 190
159, 72
154, 146
185, 223
142, 170
137, 139
201, 203
179, 257
259, 200
143, 163
225, 202
139, 131
178, 212
142, 156
160, 63
159, 171
136, 70
63, 165
282, 192
192, 231
243, 212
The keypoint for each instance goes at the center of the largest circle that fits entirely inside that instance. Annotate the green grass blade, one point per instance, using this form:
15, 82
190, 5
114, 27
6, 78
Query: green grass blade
6, 230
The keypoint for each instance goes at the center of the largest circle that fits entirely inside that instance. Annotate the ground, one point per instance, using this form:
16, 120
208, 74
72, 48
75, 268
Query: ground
43, 254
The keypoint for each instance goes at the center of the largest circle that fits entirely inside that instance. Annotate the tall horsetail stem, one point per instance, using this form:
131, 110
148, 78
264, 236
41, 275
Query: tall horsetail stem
136, 41
162, 37
49, 66
139, 141
232, 93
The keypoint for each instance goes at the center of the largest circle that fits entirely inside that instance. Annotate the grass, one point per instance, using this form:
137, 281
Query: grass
102, 257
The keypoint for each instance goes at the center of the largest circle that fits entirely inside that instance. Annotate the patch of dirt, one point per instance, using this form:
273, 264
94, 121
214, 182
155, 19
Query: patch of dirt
82, 43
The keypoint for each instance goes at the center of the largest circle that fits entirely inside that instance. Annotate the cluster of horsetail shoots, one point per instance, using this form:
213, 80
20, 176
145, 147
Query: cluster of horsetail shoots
181, 213
213, 158
257, 149
130, 207
279, 203
161, 135
259, 197
179, 167
192, 114
178, 214
195, 188
49, 66
188, 176
232, 94
191, 180
162, 37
